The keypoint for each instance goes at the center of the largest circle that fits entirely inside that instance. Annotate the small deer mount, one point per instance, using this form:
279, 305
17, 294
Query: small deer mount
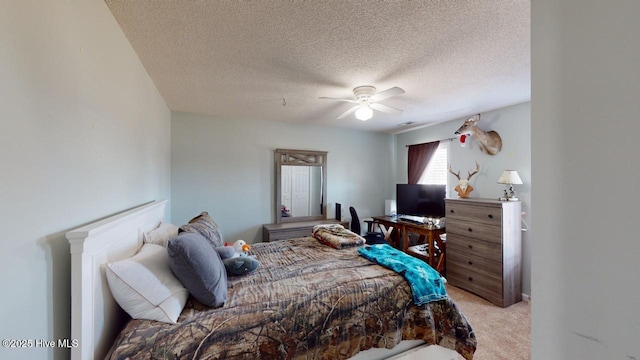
488, 141
464, 188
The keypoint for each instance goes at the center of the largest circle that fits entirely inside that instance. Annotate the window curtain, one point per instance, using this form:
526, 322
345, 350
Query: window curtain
419, 157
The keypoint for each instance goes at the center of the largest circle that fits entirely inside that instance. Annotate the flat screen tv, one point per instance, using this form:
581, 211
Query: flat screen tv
420, 200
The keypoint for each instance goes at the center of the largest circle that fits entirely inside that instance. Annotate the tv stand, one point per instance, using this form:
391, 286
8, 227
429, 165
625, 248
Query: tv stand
429, 235
412, 219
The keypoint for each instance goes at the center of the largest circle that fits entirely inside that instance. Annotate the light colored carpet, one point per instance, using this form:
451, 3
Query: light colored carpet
502, 333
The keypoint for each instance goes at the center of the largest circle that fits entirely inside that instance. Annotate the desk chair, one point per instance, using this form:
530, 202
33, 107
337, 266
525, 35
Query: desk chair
370, 236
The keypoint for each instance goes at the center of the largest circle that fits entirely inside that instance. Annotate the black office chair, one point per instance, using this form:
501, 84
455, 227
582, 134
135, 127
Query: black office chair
370, 236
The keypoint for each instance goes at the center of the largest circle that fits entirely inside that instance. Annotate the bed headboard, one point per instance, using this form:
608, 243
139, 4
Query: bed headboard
96, 318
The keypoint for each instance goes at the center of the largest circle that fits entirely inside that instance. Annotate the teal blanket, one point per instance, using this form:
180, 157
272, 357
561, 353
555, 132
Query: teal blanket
426, 283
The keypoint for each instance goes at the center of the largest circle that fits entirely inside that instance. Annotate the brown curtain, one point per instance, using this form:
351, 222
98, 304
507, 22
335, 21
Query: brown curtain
419, 157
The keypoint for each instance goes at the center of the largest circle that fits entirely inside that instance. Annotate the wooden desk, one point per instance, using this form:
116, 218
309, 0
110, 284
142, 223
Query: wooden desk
429, 235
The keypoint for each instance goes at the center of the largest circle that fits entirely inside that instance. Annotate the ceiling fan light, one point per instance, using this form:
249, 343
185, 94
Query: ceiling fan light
364, 113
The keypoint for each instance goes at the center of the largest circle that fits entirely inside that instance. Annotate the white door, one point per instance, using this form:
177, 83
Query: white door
285, 186
300, 191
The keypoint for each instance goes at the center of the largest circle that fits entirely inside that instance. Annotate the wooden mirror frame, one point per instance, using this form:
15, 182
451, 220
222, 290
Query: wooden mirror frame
300, 158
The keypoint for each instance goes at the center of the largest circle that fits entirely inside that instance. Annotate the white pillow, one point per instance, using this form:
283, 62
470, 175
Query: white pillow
145, 287
161, 235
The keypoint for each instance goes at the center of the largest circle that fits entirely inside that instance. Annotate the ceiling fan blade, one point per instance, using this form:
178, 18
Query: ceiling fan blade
348, 112
385, 108
339, 99
385, 94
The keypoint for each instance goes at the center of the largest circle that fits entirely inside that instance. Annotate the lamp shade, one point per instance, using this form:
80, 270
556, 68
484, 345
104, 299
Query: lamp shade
510, 177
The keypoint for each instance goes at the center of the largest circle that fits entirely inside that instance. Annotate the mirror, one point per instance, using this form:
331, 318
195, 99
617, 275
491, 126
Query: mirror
301, 185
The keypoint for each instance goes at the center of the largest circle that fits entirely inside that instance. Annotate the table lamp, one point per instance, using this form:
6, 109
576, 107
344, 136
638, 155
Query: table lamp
509, 177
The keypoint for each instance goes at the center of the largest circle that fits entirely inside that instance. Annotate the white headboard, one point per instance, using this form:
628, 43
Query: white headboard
96, 318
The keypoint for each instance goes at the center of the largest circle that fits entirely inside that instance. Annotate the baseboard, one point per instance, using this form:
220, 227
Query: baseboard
526, 297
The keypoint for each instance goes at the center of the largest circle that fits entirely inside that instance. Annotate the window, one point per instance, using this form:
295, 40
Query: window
436, 171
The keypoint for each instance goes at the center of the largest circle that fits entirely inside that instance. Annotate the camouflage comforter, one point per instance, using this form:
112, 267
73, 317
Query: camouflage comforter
305, 301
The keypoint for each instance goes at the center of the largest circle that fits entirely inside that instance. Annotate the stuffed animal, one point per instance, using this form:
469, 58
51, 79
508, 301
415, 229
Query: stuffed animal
240, 248
226, 252
237, 262
240, 265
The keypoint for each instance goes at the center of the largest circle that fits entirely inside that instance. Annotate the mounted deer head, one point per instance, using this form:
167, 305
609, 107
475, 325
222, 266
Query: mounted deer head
488, 141
463, 188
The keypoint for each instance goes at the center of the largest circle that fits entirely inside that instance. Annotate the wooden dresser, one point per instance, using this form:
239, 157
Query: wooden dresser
290, 230
484, 248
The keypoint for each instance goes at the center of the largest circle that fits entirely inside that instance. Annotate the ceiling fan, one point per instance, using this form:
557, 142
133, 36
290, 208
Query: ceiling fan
367, 99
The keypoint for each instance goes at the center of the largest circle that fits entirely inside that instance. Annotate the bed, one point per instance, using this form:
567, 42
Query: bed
306, 300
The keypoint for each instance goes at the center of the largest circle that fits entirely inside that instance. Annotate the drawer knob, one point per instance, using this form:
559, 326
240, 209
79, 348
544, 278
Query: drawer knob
451, 211
490, 216
470, 278
470, 262
470, 246
470, 229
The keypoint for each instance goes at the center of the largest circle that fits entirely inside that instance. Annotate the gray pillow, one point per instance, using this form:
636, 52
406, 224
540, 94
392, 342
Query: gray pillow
203, 224
199, 268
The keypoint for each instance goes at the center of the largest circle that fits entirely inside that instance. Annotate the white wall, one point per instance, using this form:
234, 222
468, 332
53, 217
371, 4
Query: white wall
586, 253
227, 168
83, 134
513, 123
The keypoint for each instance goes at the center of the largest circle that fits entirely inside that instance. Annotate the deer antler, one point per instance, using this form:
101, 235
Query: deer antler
474, 172
451, 171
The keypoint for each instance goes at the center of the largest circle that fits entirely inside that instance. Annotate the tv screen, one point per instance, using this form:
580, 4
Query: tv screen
420, 200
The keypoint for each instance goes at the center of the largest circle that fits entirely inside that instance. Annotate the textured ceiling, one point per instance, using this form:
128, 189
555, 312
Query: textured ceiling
240, 60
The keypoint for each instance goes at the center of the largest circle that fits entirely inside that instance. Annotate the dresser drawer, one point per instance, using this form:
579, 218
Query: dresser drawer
486, 249
290, 230
285, 234
475, 230
475, 264
487, 214
485, 286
